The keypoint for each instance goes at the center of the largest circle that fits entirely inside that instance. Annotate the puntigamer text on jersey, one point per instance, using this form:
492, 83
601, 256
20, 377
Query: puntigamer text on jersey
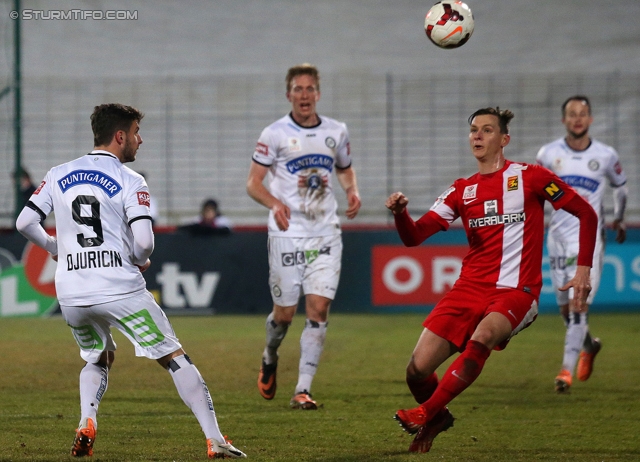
310, 161
91, 177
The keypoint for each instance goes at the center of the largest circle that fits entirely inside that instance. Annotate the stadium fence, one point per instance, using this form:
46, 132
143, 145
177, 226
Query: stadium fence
407, 133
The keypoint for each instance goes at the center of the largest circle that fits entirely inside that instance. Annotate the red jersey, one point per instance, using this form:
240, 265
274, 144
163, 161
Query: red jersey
503, 216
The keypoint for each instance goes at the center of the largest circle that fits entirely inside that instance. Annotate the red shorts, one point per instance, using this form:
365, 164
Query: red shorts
457, 315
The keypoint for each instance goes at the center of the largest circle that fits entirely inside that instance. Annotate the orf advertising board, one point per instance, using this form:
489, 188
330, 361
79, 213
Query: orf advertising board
414, 275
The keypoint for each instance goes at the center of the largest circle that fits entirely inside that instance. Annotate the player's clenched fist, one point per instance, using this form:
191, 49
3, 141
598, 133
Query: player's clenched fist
397, 202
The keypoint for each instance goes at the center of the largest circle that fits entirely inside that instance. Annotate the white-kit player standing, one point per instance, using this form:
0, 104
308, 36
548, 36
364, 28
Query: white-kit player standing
587, 165
103, 243
300, 151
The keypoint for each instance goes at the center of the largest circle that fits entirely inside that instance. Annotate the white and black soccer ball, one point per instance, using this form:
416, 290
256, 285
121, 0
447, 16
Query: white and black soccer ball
449, 24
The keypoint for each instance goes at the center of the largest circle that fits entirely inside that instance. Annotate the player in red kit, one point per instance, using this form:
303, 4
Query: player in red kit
496, 295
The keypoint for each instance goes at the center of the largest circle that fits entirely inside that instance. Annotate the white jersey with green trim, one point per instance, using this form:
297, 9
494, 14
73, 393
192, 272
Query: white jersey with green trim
95, 198
300, 160
586, 171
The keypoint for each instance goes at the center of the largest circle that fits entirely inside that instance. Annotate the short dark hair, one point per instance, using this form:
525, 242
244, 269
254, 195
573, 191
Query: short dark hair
22, 173
504, 117
302, 69
581, 98
107, 119
212, 203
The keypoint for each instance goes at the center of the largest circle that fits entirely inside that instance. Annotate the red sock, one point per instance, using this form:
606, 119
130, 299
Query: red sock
462, 373
422, 389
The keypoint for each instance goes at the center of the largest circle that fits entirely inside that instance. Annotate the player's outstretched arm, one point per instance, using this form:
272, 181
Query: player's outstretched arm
411, 232
259, 193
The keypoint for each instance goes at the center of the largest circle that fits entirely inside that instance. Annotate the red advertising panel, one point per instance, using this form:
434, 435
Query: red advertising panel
414, 275
40, 269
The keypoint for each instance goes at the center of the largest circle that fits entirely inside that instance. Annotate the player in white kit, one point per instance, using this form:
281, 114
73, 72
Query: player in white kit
300, 151
103, 243
587, 165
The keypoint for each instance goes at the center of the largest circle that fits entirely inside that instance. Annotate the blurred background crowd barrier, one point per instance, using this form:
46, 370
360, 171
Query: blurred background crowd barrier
408, 132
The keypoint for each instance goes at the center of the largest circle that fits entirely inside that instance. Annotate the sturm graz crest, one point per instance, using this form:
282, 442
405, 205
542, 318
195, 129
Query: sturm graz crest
314, 181
330, 142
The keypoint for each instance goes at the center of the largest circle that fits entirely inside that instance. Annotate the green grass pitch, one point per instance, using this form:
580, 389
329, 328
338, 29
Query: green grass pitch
511, 413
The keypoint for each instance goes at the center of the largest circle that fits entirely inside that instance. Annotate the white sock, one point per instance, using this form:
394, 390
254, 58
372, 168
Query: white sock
93, 383
574, 340
275, 335
311, 346
195, 394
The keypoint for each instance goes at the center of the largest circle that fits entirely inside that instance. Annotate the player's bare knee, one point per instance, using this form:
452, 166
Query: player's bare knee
416, 373
283, 318
412, 373
317, 308
490, 335
283, 315
487, 338
318, 315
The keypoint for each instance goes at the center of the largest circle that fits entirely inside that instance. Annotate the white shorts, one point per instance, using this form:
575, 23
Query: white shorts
300, 266
563, 261
138, 317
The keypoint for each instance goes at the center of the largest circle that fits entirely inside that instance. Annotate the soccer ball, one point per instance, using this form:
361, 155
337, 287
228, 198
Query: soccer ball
449, 24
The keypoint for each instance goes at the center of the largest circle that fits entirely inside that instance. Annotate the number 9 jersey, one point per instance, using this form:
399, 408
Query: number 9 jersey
95, 199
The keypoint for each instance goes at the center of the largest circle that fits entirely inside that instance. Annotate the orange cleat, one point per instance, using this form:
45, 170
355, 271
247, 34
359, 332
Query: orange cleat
303, 401
563, 381
585, 364
267, 380
216, 450
83, 442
